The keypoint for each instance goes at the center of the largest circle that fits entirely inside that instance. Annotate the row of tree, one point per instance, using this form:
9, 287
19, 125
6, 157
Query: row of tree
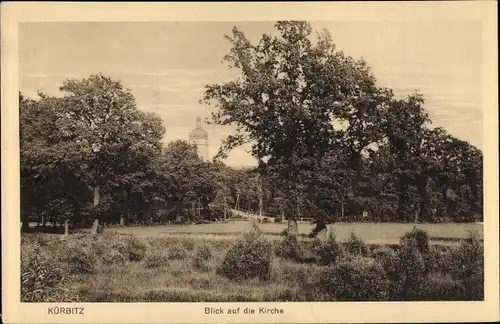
330, 144
325, 133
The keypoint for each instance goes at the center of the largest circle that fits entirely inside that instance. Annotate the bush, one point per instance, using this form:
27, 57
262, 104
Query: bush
328, 252
250, 257
110, 257
131, 247
356, 246
266, 221
189, 244
176, 252
411, 267
200, 264
418, 238
358, 279
155, 258
77, 256
439, 287
469, 258
289, 248
469, 268
203, 253
43, 280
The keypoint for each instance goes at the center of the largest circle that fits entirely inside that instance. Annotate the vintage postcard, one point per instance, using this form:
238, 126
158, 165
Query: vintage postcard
249, 162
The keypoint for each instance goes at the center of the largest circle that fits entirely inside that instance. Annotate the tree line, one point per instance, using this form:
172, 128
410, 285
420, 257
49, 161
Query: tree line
330, 144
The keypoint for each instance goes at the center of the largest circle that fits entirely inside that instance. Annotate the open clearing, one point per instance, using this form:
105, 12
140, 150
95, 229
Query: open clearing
371, 233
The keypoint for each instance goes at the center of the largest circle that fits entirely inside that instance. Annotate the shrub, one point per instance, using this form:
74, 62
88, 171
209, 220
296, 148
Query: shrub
357, 279
250, 257
469, 258
329, 251
265, 221
43, 280
189, 244
439, 287
131, 247
176, 252
200, 264
78, 257
110, 257
289, 247
356, 246
469, 268
418, 238
155, 258
411, 267
203, 253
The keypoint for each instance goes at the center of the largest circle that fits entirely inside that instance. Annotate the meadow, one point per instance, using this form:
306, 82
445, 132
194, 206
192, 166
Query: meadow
370, 233
203, 267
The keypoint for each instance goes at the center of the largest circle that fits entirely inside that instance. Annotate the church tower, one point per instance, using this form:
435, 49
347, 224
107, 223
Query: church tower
199, 137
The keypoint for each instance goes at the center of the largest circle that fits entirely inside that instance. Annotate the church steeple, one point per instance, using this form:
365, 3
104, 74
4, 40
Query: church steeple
199, 137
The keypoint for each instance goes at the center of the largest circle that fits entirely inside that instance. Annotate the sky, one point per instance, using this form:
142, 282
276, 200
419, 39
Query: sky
167, 65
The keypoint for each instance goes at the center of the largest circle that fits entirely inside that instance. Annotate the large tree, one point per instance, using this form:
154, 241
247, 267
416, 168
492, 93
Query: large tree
94, 138
190, 182
289, 93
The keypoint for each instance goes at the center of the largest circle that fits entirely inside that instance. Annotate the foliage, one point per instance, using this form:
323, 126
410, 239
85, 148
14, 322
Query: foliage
43, 280
176, 252
131, 247
355, 245
358, 279
289, 247
250, 257
417, 238
78, 258
203, 253
156, 258
329, 251
386, 273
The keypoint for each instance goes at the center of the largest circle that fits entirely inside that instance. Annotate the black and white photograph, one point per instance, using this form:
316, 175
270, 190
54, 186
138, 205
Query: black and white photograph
251, 161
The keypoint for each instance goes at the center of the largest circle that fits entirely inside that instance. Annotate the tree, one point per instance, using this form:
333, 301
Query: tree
50, 187
285, 101
111, 137
404, 123
190, 181
93, 137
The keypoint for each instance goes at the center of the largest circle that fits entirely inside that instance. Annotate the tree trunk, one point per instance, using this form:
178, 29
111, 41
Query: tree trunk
95, 227
97, 200
403, 198
423, 199
66, 227
292, 227
96, 196
444, 193
25, 225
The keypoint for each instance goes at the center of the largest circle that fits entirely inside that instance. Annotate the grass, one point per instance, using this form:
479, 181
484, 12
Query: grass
184, 268
370, 233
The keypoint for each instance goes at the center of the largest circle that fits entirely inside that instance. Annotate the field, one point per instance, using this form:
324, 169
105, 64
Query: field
187, 263
370, 233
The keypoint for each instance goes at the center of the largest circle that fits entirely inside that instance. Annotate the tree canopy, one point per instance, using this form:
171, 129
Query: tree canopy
330, 144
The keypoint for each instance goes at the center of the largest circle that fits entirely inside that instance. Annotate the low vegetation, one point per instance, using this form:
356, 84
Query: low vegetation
97, 268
